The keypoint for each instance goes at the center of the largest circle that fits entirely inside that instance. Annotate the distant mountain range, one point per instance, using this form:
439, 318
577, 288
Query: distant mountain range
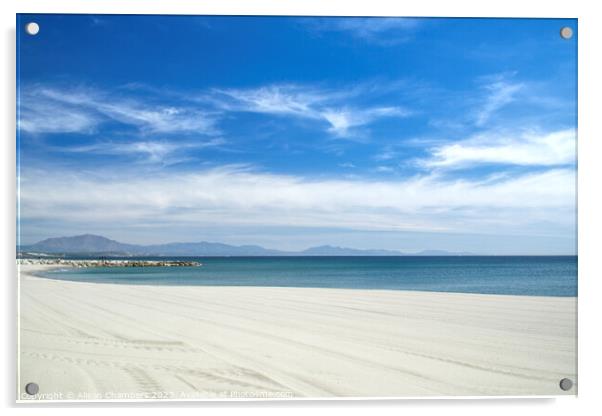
98, 245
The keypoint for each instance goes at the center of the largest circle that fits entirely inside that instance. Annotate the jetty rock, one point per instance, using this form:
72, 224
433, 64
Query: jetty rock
110, 263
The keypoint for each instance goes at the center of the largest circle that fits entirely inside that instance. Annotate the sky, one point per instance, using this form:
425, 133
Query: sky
406, 134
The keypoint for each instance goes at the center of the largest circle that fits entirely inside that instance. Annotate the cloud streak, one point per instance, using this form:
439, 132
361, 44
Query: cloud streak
382, 31
499, 92
525, 148
45, 109
82, 110
38, 115
147, 151
306, 103
242, 197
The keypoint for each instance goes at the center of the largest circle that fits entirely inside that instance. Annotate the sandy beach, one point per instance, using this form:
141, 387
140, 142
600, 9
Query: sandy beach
108, 341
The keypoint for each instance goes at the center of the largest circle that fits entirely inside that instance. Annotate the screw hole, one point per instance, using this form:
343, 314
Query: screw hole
566, 384
32, 28
32, 389
566, 32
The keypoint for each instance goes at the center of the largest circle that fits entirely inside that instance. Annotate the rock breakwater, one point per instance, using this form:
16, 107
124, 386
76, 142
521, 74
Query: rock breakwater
110, 263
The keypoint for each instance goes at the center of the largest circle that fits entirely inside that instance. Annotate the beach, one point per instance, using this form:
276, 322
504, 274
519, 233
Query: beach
114, 341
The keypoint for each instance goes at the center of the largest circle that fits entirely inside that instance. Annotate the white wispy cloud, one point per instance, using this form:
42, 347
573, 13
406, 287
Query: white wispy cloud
387, 153
233, 196
306, 102
523, 148
148, 151
384, 31
499, 91
46, 109
38, 115
273, 99
347, 165
384, 169
343, 120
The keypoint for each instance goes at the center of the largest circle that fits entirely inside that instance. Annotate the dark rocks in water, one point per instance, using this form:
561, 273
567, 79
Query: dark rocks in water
111, 263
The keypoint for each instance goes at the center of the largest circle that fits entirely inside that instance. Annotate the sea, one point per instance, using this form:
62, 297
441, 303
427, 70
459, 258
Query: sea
504, 275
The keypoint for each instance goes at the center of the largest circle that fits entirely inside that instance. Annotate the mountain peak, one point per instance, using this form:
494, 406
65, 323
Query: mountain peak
90, 237
84, 243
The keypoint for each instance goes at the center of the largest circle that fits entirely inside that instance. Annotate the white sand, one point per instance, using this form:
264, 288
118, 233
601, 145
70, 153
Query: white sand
83, 340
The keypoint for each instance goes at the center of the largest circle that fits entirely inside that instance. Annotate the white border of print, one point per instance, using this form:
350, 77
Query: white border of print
590, 31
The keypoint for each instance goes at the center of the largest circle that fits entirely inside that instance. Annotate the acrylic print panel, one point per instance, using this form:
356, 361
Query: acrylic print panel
292, 207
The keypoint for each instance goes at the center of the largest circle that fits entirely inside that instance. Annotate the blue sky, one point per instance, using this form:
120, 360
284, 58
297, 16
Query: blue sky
289, 132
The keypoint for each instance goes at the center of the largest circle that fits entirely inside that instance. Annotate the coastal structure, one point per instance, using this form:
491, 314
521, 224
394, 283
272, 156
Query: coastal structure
109, 263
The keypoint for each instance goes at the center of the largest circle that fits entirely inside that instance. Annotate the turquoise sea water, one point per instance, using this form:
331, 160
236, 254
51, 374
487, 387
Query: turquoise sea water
512, 275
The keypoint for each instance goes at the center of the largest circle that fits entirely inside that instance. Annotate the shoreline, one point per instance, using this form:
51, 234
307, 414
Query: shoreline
82, 338
67, 264
135, 285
